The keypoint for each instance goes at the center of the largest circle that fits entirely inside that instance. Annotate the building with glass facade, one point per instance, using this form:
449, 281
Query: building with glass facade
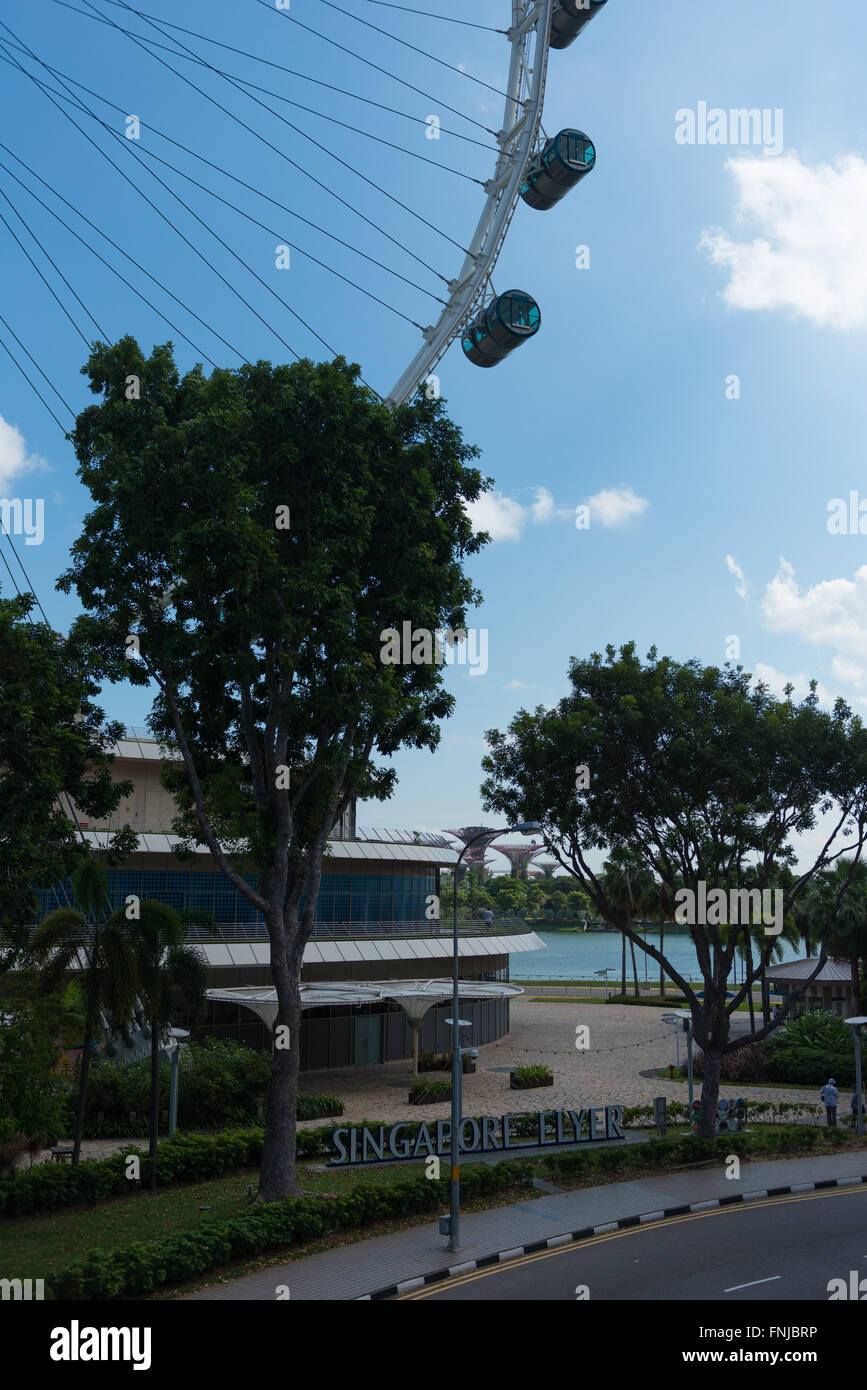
373, 923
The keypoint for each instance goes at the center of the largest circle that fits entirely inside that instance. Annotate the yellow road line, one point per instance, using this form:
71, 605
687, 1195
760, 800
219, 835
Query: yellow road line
472, 1275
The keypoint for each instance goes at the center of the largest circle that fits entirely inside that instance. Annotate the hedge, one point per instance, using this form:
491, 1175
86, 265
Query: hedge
191, 1158
140, 1269
186, 1158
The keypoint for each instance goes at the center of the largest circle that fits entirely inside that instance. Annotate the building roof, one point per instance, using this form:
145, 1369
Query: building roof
415, 996
832, 972
159, 843
257, 953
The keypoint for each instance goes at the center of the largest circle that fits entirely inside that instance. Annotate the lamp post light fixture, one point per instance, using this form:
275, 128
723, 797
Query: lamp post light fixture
678, 1029
605, 973
451, 1225
686, 1019
178, 1034
855, 1024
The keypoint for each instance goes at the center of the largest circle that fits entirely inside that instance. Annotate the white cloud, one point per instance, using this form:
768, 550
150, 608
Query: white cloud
502, 518
830, 614
735, 569
545, 508
14, 458
809, 254
516, 685
616, 506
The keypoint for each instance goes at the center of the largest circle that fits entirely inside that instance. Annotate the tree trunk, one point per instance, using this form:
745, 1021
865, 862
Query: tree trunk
662, 953
278, 1173
635, 988
713, 1048
752, 1007
155, 1103
82, 1092
623, 970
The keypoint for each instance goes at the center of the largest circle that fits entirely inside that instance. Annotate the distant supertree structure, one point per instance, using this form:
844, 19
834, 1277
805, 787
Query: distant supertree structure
478, 865
476, 855
545, 868
519, 856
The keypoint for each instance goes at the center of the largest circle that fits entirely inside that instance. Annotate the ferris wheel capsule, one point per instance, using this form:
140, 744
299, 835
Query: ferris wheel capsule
509, 320
568, 19
558, 166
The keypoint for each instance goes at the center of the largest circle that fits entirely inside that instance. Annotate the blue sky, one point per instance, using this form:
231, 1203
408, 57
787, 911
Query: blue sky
708, 515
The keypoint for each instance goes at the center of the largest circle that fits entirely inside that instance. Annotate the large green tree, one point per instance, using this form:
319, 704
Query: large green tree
709, 780
55, 755
255, 535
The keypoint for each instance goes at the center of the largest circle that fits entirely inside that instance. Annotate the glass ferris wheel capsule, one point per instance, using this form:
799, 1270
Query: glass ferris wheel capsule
509, 320
558, 166
568, 19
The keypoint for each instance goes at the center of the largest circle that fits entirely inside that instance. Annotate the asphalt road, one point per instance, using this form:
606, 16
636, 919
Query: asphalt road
776, 1248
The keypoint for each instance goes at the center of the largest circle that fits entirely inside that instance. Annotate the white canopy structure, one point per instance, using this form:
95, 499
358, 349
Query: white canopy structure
415, 997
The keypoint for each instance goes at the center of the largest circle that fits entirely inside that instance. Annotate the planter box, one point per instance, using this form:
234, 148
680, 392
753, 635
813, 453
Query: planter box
517, 1085
429, 1100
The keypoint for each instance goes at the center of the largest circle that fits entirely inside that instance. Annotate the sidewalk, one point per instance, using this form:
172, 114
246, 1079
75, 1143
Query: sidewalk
377, 1266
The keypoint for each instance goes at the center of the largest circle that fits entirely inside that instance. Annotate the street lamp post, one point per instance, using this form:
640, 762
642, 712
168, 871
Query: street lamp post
855, 1025
523, 828
177, 1034
686, 1017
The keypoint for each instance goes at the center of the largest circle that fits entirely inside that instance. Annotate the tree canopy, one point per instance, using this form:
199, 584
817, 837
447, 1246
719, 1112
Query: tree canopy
706, 779
255, 534
55, 754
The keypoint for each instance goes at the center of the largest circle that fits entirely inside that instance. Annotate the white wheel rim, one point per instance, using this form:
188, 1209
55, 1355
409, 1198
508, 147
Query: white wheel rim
529, 37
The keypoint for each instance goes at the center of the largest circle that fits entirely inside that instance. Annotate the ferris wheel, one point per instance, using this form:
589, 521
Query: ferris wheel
529, 168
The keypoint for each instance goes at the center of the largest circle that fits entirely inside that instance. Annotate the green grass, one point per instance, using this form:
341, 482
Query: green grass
34, 1246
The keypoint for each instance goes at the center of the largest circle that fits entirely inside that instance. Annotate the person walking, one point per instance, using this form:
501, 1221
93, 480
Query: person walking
830, 1095
487, 917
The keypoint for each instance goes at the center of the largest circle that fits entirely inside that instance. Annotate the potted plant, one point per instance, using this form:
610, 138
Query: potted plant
528, 1078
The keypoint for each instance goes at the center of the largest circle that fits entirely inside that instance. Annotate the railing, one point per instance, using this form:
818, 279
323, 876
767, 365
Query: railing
334, 931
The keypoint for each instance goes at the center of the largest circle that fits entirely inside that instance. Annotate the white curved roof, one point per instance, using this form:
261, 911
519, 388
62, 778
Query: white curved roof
385, 949
415, 996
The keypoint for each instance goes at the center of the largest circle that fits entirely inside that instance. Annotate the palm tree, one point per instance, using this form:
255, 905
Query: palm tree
169, 972
89, 937
660, 908
625, 881
848, 936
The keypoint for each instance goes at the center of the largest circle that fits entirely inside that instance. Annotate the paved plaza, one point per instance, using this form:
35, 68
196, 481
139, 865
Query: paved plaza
624, 1041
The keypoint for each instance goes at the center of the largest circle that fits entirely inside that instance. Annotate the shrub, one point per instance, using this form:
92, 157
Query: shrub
442, 1061
316, 1107
221, 1083
810, 1049
654, 1001
430, 1090
747, 1064
532, 1073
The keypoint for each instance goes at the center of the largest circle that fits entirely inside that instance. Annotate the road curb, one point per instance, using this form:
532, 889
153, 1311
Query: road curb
572, 1237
